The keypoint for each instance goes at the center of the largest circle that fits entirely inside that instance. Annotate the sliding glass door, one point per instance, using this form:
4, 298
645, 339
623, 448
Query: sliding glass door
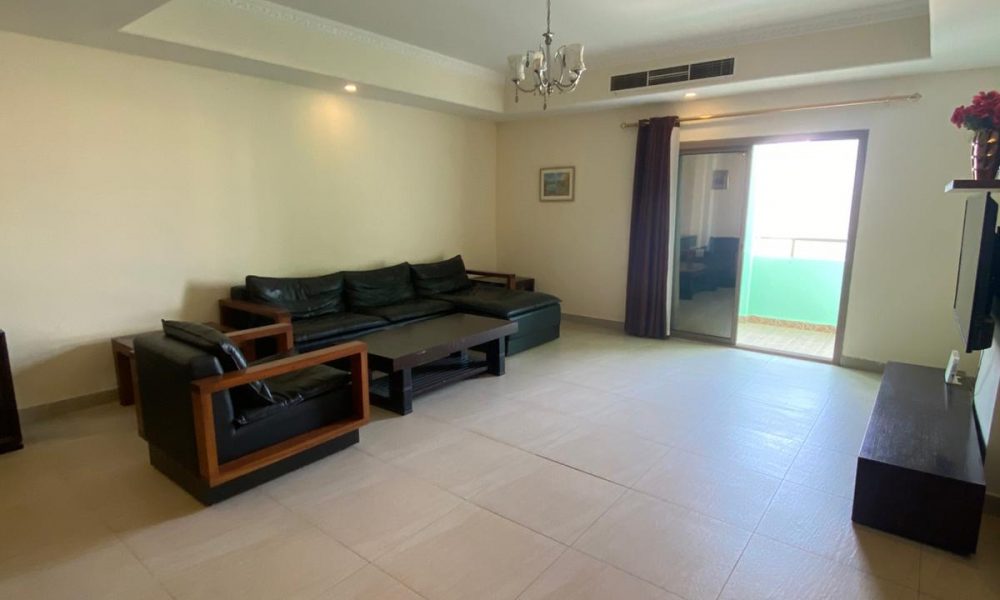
709, 222
764, 239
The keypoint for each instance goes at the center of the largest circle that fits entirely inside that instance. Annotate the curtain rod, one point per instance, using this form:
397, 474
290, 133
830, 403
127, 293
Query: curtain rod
767, 111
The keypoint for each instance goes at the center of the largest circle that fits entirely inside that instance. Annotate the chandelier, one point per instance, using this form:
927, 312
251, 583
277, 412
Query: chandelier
567, 59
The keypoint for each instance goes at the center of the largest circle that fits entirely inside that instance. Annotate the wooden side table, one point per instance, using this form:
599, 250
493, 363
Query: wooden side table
520, 283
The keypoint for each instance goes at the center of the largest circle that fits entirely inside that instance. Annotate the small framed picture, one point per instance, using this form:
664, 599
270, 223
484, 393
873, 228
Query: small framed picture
556, 184
720, 179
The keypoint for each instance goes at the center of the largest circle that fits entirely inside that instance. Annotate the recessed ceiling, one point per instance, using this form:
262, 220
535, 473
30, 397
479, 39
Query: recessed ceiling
484, 32
446, 54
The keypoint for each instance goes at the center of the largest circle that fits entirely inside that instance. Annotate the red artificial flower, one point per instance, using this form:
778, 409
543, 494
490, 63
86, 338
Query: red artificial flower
979, 110
958, 117
982, 113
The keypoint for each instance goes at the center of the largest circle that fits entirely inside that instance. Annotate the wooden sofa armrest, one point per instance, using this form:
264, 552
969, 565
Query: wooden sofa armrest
229, 308
281, 331
510, 277
204, 419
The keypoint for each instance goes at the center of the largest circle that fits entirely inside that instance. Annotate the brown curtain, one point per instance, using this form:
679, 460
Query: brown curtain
649, 241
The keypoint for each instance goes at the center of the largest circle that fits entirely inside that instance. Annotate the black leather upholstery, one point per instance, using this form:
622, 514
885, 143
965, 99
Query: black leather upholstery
379, 287
440, 277
333, 326
493, 301
166, 368
413, 309
207, 339
385, 297
311, 382
302, 297
230, 357
298, 386
294, 420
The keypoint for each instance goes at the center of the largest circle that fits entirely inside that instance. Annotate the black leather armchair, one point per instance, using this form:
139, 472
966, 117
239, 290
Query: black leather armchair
218, 426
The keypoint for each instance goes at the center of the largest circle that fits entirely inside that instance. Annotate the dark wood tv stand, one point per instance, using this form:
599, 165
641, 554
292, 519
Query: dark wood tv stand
920, 469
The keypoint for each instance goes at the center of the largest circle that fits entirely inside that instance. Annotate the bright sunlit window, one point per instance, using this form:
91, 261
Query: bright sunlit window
801, 194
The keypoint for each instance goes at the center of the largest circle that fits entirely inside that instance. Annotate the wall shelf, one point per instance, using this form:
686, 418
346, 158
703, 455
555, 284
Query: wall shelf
972, 185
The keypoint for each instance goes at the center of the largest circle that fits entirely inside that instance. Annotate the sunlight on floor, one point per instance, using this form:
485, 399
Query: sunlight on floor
786, 339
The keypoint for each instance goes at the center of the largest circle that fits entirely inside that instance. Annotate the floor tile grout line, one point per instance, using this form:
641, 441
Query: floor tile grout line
626, 571
396, 579
590, 526
836, 562
525, 589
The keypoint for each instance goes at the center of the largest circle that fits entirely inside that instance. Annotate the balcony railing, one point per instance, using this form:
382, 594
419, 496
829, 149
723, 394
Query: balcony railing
801, 248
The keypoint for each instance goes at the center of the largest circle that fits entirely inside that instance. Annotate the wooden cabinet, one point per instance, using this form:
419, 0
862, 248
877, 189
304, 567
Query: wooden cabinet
10, 426
920, 469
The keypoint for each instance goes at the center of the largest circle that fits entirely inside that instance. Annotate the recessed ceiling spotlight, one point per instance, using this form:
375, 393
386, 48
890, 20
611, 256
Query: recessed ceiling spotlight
350, 87
691, 95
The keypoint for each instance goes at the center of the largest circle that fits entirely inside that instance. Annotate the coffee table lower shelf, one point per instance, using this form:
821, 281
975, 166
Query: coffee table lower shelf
386, 391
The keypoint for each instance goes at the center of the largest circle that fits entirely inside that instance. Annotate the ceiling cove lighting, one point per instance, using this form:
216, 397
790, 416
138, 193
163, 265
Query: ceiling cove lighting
691, 95
543, 82
351, 88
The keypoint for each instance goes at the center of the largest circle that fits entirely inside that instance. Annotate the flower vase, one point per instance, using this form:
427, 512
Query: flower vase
985, 154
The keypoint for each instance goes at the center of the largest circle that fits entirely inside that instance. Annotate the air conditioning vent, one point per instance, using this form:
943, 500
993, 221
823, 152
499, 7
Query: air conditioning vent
678, 74
668, 75
712, 68
628, 81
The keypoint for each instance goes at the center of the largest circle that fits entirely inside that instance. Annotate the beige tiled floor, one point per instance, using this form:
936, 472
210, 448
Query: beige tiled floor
599, 467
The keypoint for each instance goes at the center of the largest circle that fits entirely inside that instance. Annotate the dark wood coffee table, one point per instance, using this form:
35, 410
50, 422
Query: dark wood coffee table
423, 356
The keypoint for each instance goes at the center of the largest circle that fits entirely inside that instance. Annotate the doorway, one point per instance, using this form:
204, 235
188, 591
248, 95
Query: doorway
764, 241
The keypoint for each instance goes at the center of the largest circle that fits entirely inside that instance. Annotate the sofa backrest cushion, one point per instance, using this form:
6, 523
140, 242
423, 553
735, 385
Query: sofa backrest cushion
302, 297
216, 343
379, 287
440, 277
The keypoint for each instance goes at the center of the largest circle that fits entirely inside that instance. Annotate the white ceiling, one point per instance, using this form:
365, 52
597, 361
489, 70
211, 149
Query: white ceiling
431, 53
484, 32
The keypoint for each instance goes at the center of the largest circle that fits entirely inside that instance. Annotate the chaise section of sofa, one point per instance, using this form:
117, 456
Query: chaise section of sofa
538, 315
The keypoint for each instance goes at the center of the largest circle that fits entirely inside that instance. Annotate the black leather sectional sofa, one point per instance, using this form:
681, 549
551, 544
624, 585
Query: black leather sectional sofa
332, 308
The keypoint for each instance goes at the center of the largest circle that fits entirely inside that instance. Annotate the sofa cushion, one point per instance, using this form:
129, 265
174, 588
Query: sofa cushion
302, 297
379, 287
309, 383
218, 344
414, 309
494, 301
335, 325
293, 388
440, 277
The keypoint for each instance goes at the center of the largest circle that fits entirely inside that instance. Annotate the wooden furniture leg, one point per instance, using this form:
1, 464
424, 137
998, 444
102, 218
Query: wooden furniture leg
400, 392
496, 356
123, 357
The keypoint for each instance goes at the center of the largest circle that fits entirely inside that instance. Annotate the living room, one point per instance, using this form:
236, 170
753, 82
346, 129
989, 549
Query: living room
159, 152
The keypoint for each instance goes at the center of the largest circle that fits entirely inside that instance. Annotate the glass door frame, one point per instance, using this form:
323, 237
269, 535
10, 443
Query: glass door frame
746, 144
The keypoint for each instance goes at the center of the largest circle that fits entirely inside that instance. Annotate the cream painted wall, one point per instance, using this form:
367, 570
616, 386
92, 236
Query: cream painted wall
908, 233
133, 189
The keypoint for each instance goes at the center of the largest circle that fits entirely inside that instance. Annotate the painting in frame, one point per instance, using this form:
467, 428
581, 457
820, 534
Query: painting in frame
556, 184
